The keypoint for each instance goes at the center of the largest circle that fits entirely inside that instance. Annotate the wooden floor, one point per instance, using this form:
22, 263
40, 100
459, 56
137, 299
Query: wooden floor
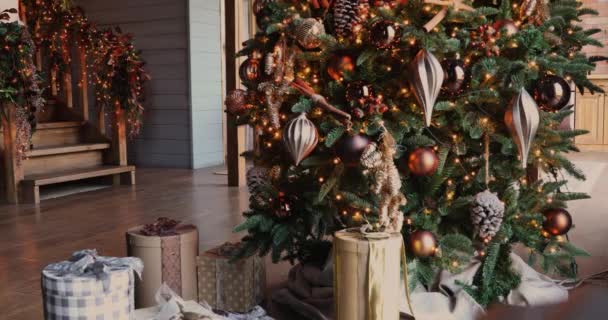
32, 237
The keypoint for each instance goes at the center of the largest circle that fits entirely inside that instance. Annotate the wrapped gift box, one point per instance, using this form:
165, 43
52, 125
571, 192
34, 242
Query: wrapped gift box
168, 251
234, 287
367, 276
89, 287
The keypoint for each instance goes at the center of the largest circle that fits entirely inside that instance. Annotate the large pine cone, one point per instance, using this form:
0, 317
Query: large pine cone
347, 15
487, 214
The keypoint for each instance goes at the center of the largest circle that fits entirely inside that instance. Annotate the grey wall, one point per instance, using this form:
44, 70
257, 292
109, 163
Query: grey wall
206, 82
160, 28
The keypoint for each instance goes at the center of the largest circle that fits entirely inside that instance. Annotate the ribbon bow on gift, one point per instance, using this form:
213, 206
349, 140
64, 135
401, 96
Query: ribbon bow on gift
161, 227
88, 263
228, 249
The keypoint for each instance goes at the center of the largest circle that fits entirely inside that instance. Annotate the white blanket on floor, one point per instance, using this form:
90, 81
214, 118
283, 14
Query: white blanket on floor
451, 302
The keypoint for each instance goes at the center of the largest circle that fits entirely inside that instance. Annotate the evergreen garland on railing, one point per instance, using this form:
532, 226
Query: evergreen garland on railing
117, 69
20, 84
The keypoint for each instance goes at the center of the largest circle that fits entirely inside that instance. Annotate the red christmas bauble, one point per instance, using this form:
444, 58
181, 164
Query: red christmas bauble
423, 243
339, 65
350, 148
558, 221
423, 162
250, 70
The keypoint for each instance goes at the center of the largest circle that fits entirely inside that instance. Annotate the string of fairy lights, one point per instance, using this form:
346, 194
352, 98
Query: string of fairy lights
116, 67
20, 84
485, 42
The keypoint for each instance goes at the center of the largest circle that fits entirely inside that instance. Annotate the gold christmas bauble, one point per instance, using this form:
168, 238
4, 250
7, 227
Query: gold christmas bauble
558, 221
308, 31
423, 162
423, 243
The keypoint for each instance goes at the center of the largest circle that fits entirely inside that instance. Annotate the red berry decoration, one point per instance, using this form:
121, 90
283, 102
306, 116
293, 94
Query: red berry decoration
423, 243
558, 221
350, 149
423, 162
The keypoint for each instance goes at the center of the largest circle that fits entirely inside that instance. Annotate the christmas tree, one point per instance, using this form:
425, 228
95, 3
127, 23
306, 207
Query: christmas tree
431, 118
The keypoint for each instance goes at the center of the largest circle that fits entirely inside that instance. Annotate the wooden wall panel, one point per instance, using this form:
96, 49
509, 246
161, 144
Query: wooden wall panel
160, 28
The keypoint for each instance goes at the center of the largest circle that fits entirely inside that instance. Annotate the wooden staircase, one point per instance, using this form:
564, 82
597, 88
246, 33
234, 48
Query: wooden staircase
67, 148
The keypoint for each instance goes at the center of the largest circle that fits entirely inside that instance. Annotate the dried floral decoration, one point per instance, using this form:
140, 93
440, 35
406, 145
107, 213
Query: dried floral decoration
378, 159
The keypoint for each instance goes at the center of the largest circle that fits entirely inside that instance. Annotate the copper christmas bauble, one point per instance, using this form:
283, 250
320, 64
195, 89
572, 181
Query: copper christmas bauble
552, 93
423, 162
558, 221
250, 70
507, 26
384, 34
236, 102
339, 65
455, 76
259, 5
359, 92
423, 243
350, 148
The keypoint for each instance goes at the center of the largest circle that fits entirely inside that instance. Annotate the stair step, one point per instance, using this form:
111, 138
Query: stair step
73, 175
58, 125
46, 151
57, 134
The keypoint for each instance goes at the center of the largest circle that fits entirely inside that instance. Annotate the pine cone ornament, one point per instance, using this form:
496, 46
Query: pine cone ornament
487, 214
347, 14
536, 11
269, 64
275, 172
257, 177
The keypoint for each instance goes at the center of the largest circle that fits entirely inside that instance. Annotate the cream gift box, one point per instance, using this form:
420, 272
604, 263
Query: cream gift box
168, 251
367, 276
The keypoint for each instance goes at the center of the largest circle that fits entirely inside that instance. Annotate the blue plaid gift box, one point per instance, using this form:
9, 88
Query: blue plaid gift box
90, 287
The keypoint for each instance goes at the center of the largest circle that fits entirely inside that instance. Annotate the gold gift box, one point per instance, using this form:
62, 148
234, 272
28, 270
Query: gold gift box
234, 287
